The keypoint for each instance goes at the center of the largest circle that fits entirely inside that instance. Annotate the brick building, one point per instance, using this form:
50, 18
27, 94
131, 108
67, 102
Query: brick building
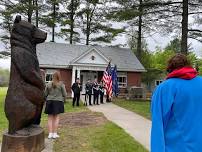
88, 62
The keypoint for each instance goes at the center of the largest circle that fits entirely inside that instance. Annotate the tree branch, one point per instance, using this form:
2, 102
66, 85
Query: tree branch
195, 30
191, 37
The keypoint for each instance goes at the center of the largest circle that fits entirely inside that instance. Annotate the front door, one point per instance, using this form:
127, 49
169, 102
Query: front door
85, 76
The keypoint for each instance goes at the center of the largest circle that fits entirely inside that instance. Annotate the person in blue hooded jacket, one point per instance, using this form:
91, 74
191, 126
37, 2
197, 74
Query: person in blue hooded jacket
177, 109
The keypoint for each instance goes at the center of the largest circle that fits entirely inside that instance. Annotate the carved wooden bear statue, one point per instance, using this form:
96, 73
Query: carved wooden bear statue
25, 96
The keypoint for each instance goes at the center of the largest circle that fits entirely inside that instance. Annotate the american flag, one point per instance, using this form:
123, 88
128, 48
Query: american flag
107, 79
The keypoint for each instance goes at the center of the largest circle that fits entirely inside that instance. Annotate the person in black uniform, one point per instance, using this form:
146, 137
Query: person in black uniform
76, 88
95, 92
101, 92
88, 94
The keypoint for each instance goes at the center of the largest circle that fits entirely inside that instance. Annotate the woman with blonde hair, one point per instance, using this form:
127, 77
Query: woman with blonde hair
55, 93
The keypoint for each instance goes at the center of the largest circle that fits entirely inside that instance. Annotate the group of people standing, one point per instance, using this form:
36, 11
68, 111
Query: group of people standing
91, 89
95, 89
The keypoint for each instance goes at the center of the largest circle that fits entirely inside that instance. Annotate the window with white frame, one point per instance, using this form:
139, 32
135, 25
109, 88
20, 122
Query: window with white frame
157, 82
122, 80
49, 75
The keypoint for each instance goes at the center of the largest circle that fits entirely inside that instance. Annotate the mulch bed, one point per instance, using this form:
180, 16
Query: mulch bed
82, 119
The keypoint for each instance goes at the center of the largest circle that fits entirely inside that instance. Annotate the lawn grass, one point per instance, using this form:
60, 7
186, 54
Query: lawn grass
140, 107
107, 137
3, 120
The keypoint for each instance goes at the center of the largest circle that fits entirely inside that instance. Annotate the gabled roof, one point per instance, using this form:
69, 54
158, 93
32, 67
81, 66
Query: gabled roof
60, 55
88, 52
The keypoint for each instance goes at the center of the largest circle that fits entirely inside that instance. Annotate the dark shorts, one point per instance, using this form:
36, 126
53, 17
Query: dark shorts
54, 107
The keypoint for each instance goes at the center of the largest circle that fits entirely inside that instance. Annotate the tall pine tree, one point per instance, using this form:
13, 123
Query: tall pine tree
94, 23
69, 20
51, 17
139, 15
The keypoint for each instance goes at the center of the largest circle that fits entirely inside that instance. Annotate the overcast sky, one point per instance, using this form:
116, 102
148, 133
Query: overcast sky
153, 42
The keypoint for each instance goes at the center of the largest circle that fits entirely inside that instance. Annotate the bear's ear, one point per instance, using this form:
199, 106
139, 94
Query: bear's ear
17, 19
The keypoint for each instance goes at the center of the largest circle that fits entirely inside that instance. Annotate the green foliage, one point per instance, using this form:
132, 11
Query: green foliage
155, 63
51, 17
195, 62
4, 77
151, 75
160, 59
6, 24
3, 120
123, 14
199, 65
8, 10
93, 18
69, 20
174, 45
147, 59
94, 23
132, 42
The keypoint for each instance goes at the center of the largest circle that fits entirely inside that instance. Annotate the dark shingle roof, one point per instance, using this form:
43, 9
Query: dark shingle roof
59, 54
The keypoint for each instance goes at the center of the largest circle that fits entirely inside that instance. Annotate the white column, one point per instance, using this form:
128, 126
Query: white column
78, 73
73, 77
73, 74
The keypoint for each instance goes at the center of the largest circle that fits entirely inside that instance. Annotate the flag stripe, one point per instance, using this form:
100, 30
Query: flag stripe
107, 78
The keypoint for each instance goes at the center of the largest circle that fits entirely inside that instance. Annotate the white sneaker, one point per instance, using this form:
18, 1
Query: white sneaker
55, 135
50, 135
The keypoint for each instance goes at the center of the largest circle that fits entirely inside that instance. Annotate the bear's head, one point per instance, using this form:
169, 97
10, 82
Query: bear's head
24, 31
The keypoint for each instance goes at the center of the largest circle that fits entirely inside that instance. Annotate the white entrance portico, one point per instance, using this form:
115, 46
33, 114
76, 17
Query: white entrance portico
89, 65
87, 72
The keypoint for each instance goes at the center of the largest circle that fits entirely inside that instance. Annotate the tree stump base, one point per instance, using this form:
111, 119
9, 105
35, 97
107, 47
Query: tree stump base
27, 140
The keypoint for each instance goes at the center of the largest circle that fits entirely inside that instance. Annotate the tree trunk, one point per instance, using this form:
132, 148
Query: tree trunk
184, 45
54, 17
30, 11
139, 40
88, 29
37, 13
72, 22
53, 34
88, 22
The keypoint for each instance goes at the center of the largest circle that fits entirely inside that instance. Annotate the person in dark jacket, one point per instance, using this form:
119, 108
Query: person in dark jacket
88, 94
95, 92
76, 88
101, 91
